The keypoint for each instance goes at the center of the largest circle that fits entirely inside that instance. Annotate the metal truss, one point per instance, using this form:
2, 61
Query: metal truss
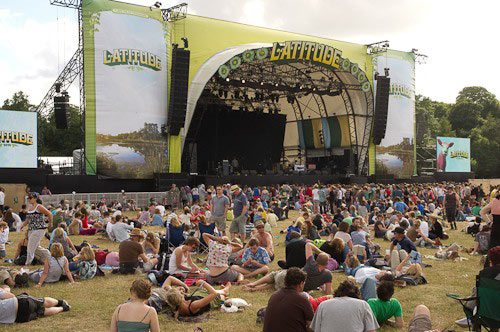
175, 13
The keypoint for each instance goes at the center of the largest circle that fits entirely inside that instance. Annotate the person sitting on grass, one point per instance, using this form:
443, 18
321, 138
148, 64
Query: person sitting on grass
219, 250
384, 306
181, 262
151, 245
294, 252
59, 236
131, 250
265, 239
336, 249
120, 229
24, 308
317, 274
287, 309
405, 246
135, 315
193, 305
255, 260
55, 265
86, 266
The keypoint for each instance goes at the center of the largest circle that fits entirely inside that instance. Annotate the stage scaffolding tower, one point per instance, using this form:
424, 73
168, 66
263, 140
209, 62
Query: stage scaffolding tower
74, 68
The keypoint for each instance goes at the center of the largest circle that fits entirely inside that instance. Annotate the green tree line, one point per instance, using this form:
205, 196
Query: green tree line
475, 114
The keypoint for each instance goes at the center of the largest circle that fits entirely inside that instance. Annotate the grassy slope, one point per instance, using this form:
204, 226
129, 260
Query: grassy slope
94, 301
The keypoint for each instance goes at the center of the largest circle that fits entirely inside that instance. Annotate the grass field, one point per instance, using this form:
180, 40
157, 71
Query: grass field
94, 301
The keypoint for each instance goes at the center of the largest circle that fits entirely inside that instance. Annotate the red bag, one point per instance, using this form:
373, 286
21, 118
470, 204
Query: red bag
100, 257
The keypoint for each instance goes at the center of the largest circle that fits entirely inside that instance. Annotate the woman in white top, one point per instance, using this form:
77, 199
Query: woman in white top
181, 262
343, 234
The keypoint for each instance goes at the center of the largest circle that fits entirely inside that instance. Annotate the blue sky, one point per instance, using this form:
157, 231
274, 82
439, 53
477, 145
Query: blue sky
460, 37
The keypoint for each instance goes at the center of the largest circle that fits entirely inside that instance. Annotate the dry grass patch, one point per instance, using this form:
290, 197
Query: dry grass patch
94, 301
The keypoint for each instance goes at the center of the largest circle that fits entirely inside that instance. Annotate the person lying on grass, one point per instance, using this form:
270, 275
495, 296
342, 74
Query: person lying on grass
317, 274
135, 315
183, 304
24, 308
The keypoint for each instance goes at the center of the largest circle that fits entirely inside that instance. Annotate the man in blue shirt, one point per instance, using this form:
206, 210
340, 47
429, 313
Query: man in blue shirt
400, 206
255, 260
403, 245
240, 208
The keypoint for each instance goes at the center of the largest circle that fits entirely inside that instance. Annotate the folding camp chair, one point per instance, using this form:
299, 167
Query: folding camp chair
487, 299
175, 236
210, 229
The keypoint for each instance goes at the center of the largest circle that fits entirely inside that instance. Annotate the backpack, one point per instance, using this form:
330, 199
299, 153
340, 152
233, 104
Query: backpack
100, 257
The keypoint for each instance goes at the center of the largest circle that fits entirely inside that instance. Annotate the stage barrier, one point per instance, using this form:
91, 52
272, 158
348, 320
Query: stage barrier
141, 198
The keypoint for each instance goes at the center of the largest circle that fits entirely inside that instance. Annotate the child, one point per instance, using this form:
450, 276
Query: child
4, 237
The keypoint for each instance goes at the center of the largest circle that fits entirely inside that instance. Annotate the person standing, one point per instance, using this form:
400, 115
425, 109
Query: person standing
37, 227
493, 207
240, 208
218, 208
451, 202
2, 199
288, 309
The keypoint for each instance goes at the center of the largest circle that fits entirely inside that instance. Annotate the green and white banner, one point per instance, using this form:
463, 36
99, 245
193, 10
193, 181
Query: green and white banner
396, 153
126, 88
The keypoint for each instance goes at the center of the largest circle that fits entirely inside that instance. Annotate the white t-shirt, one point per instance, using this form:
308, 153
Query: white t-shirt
342, 235
2, 198
424, 227
117, 213
109, 230
8, 310
365, 273
185, 219
315, 194
162, 209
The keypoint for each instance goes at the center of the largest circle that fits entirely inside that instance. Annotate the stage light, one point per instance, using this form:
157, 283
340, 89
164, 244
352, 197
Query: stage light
185, 40
301, 87
243, 81
261, 83
276, 85
314, 89
157, 4
227, 79
386, 70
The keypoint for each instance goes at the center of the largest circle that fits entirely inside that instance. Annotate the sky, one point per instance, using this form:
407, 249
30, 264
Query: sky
459, 37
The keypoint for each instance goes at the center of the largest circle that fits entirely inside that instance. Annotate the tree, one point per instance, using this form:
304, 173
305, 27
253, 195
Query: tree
464, 116
18, 102
478, 95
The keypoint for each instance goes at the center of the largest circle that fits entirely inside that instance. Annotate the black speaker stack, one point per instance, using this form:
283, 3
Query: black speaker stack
61, 104
381, 107
178, 90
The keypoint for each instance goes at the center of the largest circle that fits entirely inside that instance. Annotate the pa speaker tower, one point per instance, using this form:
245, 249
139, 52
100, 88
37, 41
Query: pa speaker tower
381, 107
61, 111
178, 91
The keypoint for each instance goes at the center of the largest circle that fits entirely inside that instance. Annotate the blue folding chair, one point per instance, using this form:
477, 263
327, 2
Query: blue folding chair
175, 236
210, 229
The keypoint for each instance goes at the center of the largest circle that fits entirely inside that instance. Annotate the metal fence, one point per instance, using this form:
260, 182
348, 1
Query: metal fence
141, 198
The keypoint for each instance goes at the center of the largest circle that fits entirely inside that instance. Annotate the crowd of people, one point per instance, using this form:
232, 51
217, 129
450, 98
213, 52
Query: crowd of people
333, 231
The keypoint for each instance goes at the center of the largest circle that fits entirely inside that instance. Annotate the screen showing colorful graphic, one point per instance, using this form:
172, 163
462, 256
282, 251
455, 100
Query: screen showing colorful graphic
396, 153
129, 82
452, 154
18, 139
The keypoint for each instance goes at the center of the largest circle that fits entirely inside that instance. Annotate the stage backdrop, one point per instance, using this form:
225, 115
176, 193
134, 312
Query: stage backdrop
125, 58
452, 154
396, 153
18, 139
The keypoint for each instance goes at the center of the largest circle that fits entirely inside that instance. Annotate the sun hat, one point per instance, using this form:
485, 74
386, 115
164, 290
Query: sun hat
389, 210
259, 223
433, 215
136, 232
234, 187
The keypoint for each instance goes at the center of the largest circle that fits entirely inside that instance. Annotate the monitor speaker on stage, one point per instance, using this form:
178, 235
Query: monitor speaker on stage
381, 107
61, 111
178, 90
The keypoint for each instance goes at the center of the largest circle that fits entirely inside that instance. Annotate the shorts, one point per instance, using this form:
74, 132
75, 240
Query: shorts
421, 323
6, 274
220, 223
3, 253
29, 308
238, 225
226, 276
278, 279
450, 214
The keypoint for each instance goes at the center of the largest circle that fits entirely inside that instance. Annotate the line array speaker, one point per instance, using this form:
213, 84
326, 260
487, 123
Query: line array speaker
61, 111
178, 90
381, 108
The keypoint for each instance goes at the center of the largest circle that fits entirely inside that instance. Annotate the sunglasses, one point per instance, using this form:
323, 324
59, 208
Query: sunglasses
260, 227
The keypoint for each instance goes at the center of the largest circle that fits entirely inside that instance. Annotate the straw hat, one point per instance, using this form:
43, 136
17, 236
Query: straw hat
389, 210
136, 232
433, 215
259, 223
234, 187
